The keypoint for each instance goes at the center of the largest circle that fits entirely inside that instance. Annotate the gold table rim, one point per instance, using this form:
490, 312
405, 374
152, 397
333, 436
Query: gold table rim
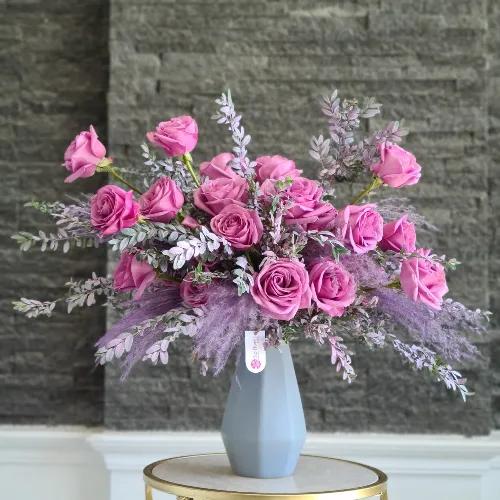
182, 490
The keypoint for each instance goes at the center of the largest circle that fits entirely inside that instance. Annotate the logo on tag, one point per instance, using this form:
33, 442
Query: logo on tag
255, 351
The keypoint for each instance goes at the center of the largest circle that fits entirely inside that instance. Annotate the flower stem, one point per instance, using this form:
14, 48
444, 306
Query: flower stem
374, 184
394, 284
188, 163
107, 166
114, 172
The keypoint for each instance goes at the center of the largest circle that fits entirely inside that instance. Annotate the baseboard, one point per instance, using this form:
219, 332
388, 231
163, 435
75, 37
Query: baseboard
79, 464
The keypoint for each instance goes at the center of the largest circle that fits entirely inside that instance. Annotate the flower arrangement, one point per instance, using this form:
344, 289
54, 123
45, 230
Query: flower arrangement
239, 244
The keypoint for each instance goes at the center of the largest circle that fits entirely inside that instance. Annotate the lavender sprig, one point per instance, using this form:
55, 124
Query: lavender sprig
227, 115
421, 357
341, 358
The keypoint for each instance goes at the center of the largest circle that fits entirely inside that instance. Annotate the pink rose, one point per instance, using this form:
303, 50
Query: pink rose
213, 195
176, 136
333, 288
275, 167
113, 209
399, 235
360, 226
193, 294
132, 274
162, 201
83, 155
281, 288
397, 167
190, 222
307, 210
218, 167
423, 280
238, 225
321, 218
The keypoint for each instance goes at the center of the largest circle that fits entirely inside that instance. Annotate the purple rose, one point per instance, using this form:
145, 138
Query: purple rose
360, 226
83, 155
113, 209
397, 167
238, 225
275, 167
281, 288
218, 167
399, 235
333, 288
162, 201
213, 195
307, 210
423, 280
132, 274
176, 136
193, 294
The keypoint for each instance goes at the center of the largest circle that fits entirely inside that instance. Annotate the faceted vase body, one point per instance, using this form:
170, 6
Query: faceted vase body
264, 427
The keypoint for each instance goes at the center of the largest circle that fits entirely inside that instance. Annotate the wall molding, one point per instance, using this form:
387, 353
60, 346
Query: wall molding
110, 462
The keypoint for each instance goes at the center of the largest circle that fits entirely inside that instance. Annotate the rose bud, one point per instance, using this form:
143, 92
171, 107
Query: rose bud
83, 155
397, 167
176, 136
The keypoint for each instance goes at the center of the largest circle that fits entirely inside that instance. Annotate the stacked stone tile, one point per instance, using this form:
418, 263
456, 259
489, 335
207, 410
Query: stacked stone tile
434, 63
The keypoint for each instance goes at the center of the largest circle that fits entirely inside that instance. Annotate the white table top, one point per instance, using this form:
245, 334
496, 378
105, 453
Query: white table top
212, 474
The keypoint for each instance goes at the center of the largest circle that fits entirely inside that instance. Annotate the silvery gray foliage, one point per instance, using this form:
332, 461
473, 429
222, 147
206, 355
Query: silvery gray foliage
344, 155
178, 321
73, 231
362, 324
177, 324
201, 246
227, 115
147, 231
243, 278
421, 357
34, 308
320, 151
159, 351
153, 257
61, 239
84, 293
174, 169
80, 294
115, 348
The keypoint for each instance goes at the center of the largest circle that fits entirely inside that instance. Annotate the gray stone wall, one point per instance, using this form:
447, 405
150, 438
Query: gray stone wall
53, 59
426, 61
434, 63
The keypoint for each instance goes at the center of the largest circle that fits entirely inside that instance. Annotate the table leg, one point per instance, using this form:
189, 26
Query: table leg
384, 496
149, 492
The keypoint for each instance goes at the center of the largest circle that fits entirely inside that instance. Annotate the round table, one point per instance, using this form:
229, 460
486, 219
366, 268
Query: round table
209, 477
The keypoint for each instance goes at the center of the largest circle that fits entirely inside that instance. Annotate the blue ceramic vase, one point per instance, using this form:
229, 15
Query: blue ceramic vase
264, 427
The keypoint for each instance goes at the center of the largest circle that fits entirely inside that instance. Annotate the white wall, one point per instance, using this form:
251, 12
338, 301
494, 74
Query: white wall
78, 464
